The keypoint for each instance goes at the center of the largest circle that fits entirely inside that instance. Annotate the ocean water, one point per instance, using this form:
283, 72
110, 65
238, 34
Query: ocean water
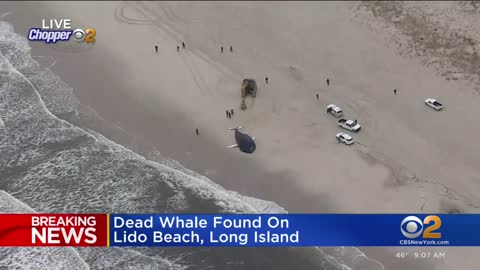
47, 164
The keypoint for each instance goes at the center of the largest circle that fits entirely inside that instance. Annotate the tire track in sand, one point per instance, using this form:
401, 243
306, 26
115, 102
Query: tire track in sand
162, 23
167, 34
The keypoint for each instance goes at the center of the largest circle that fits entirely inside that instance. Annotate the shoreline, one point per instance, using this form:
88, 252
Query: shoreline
112, 109
136, 114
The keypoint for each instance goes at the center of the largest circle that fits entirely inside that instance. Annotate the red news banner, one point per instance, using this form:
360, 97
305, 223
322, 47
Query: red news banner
59, 230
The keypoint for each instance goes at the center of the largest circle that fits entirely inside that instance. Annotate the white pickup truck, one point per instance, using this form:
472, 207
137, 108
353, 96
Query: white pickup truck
351, 125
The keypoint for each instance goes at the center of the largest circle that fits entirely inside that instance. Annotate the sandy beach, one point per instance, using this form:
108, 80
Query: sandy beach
407, 157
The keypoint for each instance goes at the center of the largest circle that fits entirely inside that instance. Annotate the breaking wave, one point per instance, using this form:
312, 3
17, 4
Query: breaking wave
48, 164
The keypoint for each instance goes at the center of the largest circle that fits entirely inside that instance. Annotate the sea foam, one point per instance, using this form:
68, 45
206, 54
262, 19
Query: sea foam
47, 164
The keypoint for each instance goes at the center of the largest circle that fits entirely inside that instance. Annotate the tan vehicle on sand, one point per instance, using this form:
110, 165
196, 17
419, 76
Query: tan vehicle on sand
249, 87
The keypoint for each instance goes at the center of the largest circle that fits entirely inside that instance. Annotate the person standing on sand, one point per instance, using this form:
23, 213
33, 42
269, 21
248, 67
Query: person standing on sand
183, 44
178, 48
221, 49
231, 112
231, 49
395, 92
317, 95
266, 80
196, 131
328, 81
156, 48
227, 113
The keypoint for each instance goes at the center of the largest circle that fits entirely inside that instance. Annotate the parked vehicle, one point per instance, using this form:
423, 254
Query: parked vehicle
433, 103
344, 138
249, 87
351, 125
334, 110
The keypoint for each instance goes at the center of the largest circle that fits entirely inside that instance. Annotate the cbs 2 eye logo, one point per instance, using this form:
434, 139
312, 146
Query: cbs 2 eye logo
412, 227
88, 35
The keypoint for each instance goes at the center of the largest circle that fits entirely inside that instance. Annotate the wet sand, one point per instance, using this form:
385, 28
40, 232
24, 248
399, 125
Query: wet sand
298, 165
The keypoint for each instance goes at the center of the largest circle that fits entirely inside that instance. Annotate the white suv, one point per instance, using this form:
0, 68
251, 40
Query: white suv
334, 110
344, 138
433, 103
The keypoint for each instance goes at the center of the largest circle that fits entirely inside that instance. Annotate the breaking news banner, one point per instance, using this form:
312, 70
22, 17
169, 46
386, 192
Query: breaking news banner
210, 230
54, 230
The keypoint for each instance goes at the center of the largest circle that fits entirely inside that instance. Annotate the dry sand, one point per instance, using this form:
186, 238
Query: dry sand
408, 158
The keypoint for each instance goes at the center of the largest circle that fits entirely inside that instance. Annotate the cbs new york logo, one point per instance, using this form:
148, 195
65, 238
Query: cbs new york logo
413, 227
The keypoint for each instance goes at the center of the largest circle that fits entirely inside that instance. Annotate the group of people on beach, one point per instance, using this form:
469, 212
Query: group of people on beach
221, 49
183, 46
229, 113
178, 47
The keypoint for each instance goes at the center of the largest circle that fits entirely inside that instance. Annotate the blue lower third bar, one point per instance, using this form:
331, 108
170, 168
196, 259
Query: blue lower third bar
294, 230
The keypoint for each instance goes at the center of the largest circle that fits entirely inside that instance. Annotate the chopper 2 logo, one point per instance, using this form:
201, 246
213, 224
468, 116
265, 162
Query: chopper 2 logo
54, 30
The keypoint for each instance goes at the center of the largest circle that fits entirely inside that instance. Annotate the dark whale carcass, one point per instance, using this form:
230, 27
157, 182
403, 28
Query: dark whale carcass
245, 143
